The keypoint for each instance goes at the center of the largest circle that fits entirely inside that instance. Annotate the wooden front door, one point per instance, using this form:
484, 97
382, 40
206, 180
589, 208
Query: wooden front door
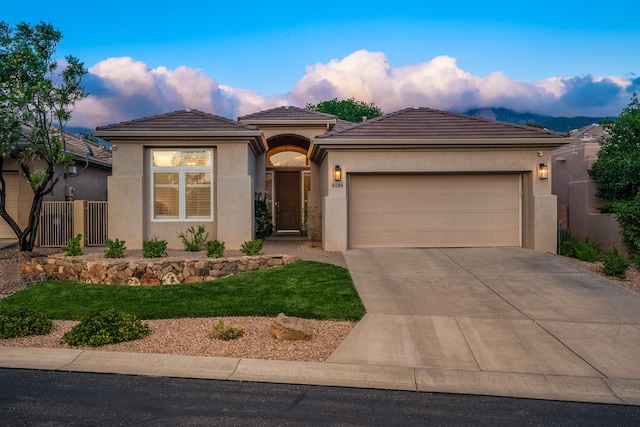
287, 201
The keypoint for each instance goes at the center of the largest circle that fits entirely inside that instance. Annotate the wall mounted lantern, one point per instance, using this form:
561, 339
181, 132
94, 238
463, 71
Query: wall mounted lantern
337, 173
543, 171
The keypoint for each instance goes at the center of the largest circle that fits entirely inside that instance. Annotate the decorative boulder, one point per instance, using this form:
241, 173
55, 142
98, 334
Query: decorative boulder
289, 328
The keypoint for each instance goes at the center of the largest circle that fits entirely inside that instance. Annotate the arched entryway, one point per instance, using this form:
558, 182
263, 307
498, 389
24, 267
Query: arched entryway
288, 182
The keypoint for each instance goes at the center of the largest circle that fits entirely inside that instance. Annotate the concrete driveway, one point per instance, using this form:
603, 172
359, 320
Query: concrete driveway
498, 310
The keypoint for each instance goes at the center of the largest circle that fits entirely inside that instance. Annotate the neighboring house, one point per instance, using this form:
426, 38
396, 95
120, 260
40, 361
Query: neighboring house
571, 183
84, 184
413, 178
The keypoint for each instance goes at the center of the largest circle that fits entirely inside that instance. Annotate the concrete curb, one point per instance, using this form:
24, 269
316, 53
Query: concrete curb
507, 384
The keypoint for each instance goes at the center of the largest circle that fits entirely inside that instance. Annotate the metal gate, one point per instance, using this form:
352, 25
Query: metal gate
56, 224
95, 223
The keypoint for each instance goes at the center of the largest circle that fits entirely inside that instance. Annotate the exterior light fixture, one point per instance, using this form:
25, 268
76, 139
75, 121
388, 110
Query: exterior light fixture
543, 171
337, 173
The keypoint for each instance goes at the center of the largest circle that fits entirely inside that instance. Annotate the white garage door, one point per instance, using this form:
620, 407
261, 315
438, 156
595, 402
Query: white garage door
11, 181
434, 210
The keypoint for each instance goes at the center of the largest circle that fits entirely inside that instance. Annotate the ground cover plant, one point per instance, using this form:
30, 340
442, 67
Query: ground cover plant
21, 322
306, 289
72, 247
154, 248
194, 239
114, 248
106, 327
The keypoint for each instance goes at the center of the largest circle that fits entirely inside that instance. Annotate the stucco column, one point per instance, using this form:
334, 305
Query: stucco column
234, 195
545, 237
125, 209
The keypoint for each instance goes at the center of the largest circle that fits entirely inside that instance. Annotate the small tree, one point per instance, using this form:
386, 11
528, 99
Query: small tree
347, 109
36, 100
617, 172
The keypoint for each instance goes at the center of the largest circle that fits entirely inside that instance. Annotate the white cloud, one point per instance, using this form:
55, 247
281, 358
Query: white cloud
125, 89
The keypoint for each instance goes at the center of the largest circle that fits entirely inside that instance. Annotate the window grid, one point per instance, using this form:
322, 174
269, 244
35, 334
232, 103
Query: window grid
181, 185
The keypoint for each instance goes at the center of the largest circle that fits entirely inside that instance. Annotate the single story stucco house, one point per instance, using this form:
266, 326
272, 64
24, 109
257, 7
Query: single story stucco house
417, 177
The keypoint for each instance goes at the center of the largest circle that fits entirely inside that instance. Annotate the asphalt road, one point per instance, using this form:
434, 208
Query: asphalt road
31, 398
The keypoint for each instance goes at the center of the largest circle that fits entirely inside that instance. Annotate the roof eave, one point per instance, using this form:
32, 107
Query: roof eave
174, 133
288, 122
321, 145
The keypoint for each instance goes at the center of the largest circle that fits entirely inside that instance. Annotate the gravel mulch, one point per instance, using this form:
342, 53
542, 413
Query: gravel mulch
191, 336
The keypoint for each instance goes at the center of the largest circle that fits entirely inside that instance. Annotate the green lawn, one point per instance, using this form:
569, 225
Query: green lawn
306, 289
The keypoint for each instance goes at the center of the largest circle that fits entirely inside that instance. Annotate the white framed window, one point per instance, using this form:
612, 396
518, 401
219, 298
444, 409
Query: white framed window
181, 184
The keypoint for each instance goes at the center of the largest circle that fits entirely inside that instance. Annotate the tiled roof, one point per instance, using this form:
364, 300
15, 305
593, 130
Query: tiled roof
287, 113
426, 123
177, 121
83, 147
591, 133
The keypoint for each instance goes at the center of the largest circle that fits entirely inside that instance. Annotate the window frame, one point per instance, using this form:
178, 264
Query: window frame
182, 171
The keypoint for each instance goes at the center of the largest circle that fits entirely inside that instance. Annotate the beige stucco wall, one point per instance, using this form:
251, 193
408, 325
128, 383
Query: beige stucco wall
235, 170
539, 220
578, 207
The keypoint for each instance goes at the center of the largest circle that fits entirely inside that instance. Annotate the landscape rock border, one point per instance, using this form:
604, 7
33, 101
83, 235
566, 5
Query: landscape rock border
142, 272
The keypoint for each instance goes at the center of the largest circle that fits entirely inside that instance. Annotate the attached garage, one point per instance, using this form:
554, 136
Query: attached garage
420, 177
435, 210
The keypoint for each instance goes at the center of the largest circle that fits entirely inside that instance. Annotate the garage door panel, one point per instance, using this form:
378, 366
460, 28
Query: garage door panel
434, 210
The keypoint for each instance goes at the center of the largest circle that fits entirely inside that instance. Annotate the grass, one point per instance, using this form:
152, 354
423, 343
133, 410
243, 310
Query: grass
306, 289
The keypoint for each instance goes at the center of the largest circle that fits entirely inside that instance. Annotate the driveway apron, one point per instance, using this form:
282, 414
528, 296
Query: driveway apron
490, 309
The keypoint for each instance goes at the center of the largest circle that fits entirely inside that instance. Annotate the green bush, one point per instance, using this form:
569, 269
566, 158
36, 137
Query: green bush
194, 240
106, 326
615, 265
252, 247
574, 247
628, 214
227, 333
215, 249
115, 248
23, 322
264, 226
72, 248
154, 248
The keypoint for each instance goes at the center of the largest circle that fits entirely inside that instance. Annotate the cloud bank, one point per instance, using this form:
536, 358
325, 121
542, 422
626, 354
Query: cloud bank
124, 89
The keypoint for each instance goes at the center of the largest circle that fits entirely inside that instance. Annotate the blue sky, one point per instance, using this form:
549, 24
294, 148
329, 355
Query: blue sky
560, 58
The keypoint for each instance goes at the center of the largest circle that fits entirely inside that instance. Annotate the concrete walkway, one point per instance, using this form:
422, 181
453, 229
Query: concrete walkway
504, 322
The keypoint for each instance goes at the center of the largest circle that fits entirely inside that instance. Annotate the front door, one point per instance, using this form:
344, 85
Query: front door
287, 201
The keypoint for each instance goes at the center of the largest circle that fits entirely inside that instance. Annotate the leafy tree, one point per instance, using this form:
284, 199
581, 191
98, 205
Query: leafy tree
36, 99
347, 109
617, 172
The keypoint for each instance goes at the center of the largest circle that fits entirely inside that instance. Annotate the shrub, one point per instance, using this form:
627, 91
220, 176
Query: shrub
628, 214
154, 248
264, 226
115, 248
194, 240
72, 248
221, 332
574, 247
106, 327
23, 322
252, 247
615, 265
215, 249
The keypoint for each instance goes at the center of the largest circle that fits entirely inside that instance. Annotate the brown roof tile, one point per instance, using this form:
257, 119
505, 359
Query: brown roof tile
82, 147
287, 113
591, 133
426, 123
183, 120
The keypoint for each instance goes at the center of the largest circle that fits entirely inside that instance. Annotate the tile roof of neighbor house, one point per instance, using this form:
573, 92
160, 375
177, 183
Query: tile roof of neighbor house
591, 133
426, 123
83, 147
177, 121
288, 113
